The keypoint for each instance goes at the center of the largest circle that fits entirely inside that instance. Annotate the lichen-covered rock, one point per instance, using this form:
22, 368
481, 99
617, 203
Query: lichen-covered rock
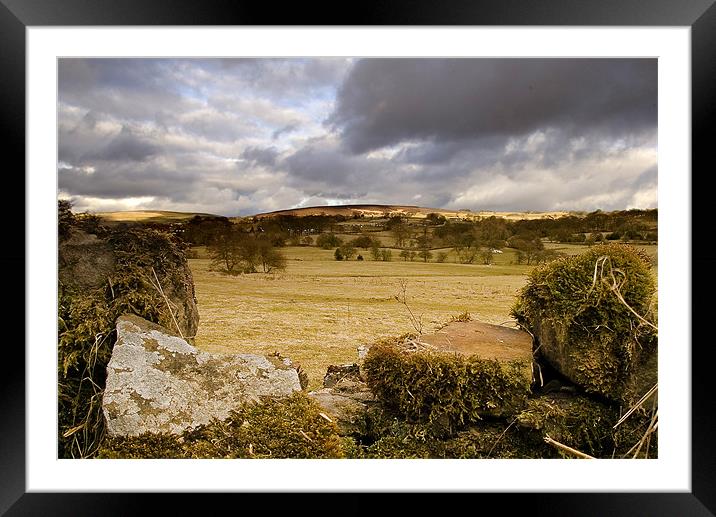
584, 330
345, 397
157, 382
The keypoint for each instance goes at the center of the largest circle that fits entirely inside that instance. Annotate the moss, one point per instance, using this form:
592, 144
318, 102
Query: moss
584, 424
86, 332
389, 436
147, 445
500, 441
583, 321
285, 428
578, 422
447, 391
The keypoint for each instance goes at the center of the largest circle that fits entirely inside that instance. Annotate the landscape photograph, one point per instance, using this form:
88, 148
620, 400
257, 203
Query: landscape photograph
357, 258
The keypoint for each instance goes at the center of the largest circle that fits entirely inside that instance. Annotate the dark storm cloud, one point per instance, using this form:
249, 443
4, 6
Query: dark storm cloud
324, 163
126, 146
112, 181
386, 101
263, 156
325, 171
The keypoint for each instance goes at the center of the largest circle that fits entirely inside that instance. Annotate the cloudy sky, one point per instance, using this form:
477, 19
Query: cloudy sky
242, 136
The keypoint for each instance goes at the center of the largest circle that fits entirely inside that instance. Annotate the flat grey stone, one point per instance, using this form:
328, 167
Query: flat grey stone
157, 382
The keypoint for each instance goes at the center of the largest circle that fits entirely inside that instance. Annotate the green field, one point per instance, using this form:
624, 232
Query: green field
319, 310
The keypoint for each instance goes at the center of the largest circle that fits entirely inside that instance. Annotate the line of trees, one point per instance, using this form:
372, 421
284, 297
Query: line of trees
234, 251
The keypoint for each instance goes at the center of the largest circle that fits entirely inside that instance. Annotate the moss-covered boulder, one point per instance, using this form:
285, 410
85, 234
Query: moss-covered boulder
593, 316
101, 278
143, 269
446, 390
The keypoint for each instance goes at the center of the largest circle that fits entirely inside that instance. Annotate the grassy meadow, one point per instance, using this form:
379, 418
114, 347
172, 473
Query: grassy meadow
319, 310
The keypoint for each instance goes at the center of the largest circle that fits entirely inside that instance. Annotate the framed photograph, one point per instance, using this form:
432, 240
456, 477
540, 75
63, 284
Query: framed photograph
336, 115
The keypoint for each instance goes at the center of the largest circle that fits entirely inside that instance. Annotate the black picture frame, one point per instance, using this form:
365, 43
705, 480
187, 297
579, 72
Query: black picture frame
700, 15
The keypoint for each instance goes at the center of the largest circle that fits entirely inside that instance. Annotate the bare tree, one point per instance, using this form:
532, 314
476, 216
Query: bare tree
225, 251
270, 258
401, 297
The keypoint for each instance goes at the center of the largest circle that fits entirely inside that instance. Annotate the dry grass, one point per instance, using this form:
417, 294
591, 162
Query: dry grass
320, 310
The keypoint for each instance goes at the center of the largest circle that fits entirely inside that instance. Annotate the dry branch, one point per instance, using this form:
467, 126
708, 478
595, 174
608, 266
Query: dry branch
638, 404
158, 287
567, 448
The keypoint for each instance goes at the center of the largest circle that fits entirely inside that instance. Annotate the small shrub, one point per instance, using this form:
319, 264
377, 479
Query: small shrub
91, 223
65, 218
348, 251
364, 241
327, 241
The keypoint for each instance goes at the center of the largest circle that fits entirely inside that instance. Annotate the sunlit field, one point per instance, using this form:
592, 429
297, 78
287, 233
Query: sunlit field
320, 310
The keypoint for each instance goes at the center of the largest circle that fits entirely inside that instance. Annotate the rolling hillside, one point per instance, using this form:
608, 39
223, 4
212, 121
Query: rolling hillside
148, 216
404, 210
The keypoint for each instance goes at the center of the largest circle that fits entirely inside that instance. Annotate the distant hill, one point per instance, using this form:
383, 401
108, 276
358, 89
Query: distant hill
416, 212
149, 216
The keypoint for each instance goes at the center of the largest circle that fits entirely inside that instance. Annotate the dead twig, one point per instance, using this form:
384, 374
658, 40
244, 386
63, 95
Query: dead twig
653, 427
158, 287
401, 298
500, 437
638, 404
614, 286
567, 448
539, 371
